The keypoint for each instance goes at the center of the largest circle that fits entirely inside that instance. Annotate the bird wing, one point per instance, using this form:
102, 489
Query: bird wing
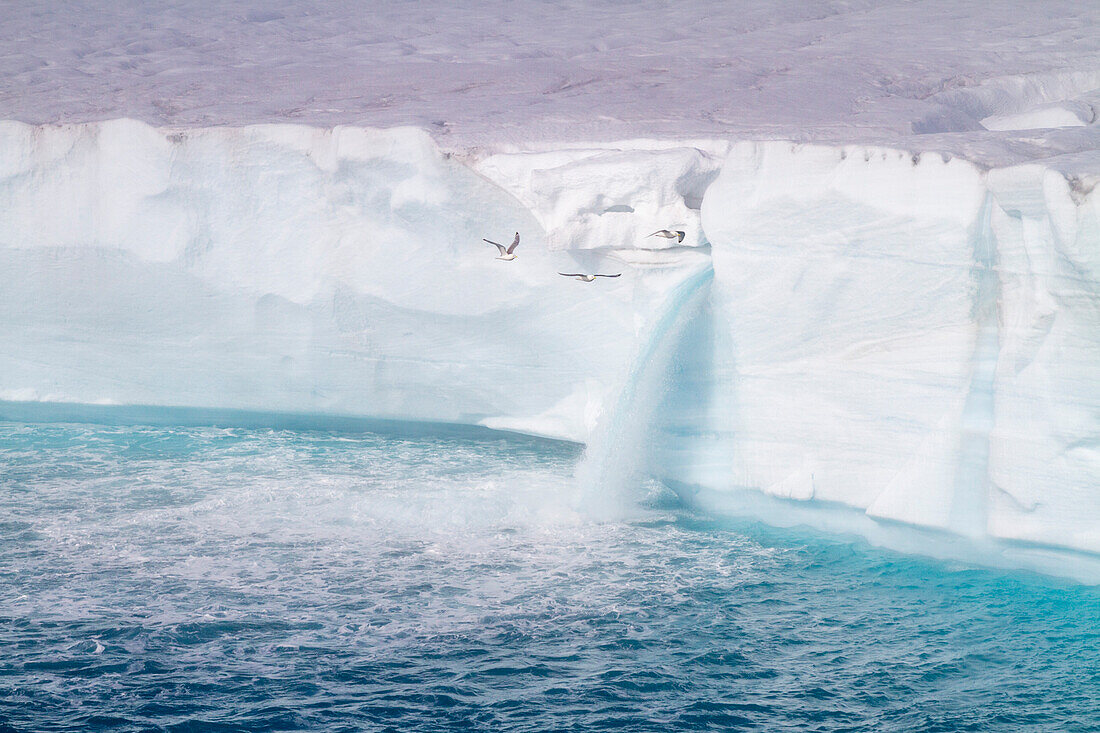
572, 274
659, 231
515, 243
679, 236
498, 246
615, 275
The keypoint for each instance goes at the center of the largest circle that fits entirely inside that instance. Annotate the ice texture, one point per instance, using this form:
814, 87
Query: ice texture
909, 335
904, 334
292, 268
886, 304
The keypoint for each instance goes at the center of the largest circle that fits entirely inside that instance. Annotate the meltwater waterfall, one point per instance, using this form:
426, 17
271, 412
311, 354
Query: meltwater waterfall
902, 340
617, 460
782, 413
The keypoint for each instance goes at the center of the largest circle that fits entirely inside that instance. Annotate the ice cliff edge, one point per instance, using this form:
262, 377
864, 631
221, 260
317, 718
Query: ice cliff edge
905, 333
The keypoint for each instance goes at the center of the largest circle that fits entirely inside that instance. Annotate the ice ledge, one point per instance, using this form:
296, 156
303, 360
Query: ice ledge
911, 334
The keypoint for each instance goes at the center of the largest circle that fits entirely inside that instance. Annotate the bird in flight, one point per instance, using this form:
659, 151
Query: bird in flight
505, 254
676, 234
585, 278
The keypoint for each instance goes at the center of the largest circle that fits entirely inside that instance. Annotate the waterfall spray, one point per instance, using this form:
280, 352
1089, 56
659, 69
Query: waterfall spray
614, 466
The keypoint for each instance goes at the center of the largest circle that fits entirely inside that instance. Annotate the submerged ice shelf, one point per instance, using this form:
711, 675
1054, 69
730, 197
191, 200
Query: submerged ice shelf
910, 335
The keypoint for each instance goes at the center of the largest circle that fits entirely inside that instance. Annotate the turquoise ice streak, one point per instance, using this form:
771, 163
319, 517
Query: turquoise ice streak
202, 579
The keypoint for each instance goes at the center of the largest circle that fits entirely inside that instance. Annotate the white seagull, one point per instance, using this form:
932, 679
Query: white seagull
505, 254
676, 234
586, 278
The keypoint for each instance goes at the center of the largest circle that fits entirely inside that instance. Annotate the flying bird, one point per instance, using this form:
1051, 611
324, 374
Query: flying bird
676, 234
585, 278
505, 254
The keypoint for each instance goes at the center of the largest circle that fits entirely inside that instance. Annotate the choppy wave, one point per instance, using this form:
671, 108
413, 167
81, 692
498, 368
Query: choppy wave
196, 578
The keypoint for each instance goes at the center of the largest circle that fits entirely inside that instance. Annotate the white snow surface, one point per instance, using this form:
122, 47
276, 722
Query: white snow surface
887, 298
499, 72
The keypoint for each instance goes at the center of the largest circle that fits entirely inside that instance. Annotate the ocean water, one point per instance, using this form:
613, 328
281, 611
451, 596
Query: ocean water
206, 579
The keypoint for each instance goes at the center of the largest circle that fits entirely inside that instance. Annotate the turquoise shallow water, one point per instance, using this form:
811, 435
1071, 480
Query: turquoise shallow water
203, 579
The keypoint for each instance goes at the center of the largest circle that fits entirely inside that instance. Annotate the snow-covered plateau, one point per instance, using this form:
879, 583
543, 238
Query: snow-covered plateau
885, 307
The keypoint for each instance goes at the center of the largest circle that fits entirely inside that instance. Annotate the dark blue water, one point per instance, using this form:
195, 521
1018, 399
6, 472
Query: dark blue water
201, 579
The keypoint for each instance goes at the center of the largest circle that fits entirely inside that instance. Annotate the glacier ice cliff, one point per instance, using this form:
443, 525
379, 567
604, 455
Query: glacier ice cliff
908, 335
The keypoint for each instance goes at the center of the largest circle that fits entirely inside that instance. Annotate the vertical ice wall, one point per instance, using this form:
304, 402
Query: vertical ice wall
902, 334
1045, 436
289, 268
848, 283
906, 335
